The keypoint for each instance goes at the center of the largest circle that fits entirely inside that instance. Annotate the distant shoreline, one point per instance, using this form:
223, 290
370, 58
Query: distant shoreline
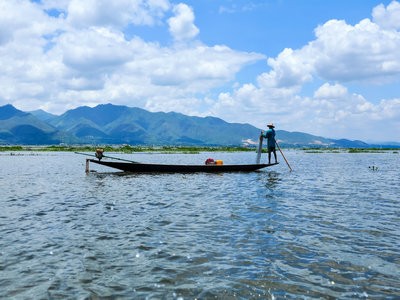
182, 149
128, 149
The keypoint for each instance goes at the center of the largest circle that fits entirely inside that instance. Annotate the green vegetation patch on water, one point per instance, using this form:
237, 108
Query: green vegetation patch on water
349, 150
11, 148
368, 150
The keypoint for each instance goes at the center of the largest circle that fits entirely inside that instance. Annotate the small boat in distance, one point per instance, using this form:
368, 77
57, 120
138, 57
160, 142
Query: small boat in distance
134, 167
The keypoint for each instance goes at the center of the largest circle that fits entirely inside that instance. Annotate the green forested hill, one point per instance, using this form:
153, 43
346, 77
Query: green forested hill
114, 124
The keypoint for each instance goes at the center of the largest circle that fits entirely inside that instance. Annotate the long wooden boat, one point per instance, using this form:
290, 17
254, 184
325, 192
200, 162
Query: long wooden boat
163, 168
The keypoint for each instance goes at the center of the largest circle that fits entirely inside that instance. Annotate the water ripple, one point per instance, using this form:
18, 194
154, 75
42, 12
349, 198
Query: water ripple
329, 229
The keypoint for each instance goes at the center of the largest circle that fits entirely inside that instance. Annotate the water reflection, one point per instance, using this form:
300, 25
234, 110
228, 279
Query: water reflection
273, 179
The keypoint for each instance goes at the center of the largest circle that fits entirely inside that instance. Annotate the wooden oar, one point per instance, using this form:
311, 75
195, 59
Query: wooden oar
131, 161
283, 155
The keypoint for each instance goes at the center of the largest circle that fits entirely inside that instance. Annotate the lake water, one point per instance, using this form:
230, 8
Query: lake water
329, 229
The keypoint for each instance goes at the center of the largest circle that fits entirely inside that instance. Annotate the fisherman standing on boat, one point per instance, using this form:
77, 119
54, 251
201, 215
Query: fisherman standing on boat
270, 136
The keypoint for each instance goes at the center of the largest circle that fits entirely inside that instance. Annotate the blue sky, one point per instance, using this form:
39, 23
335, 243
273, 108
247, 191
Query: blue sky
325, 67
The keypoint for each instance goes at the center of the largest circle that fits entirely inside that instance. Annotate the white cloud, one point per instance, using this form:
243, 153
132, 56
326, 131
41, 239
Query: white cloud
58, 5
63, 54
340, 52
328, 91
233, 7
23, 20
352, 53
115, 14
198, 65
331, 112
387, 17
290, 68
181, 25
96, 49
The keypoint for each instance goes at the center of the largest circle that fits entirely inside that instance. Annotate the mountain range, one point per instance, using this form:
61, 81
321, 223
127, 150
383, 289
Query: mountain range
115, 124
